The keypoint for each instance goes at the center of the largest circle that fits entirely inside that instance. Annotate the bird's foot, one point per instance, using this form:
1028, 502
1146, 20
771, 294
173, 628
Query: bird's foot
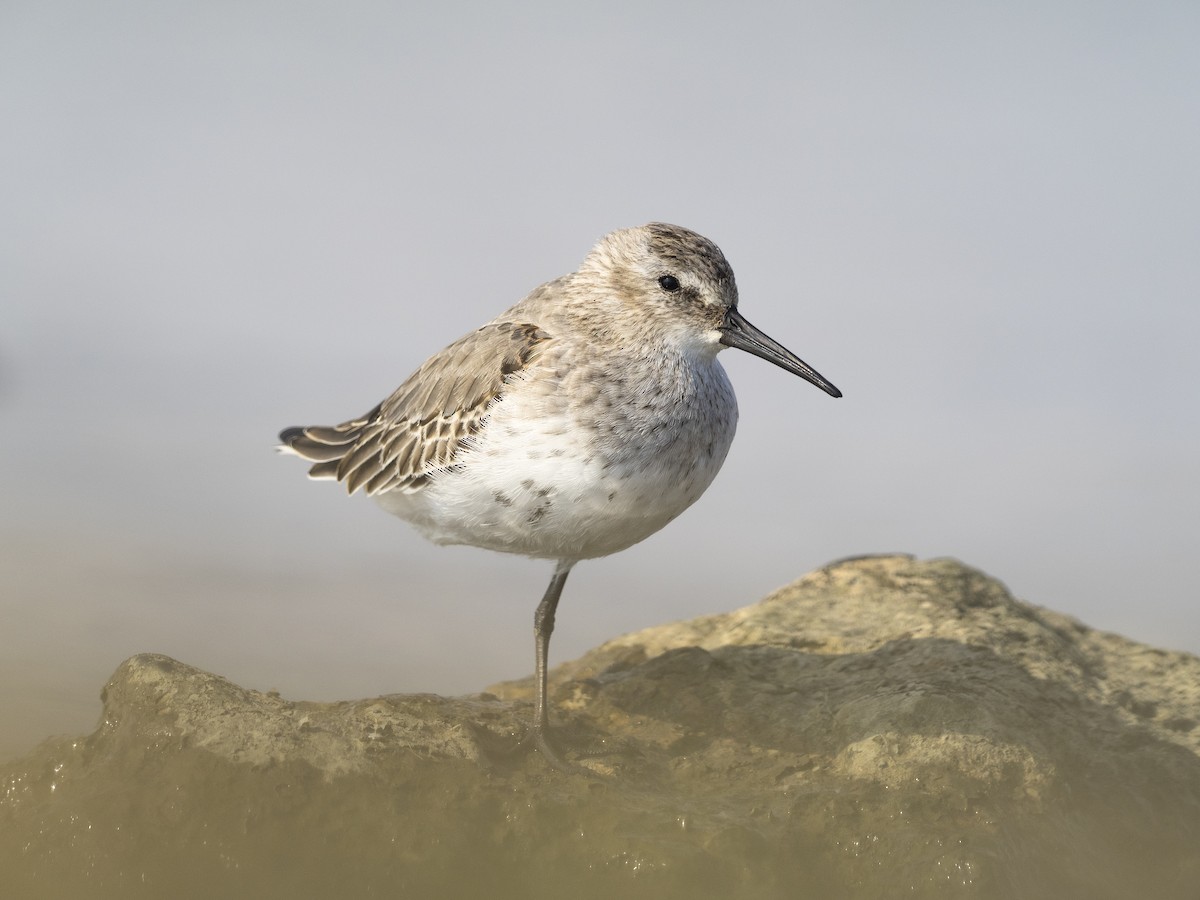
554, 745
538, 739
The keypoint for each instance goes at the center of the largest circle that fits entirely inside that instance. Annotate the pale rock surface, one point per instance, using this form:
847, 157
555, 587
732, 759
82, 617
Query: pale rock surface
883, 727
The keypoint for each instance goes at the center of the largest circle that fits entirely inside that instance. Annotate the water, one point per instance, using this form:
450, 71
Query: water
196, 787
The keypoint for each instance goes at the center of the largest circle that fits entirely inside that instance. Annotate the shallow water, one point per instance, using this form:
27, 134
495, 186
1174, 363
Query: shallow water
809, 746
108, 818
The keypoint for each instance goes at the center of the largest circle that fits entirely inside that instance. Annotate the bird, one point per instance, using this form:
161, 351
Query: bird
575, 424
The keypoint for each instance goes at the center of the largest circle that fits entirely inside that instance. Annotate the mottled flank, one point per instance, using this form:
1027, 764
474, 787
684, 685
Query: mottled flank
577, 423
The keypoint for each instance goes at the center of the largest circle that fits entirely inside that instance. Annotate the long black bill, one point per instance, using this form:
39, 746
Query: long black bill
737, 332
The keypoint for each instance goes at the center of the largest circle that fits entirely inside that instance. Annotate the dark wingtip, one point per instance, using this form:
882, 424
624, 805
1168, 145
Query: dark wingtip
290, 434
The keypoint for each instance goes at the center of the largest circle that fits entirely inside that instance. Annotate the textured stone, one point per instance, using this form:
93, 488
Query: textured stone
882, 727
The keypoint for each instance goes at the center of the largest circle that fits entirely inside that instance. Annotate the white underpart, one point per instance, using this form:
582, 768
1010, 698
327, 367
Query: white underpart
550, 480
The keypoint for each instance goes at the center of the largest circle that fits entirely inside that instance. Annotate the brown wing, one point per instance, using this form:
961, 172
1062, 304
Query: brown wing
420, 428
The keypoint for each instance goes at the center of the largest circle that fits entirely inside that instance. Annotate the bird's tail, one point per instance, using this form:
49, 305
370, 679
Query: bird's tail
324, 445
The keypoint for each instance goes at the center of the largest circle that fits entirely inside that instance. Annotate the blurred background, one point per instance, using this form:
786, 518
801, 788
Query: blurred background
980, 221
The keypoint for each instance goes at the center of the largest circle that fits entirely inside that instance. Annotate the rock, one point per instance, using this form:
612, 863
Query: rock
882, 727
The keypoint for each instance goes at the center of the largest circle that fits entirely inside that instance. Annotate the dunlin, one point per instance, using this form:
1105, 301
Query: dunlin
573, 425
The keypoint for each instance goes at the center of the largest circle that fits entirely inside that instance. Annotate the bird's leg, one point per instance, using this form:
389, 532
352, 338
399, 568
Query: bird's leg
543, 627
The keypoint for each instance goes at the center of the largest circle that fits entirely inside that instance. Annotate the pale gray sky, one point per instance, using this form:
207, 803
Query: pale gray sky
979, 220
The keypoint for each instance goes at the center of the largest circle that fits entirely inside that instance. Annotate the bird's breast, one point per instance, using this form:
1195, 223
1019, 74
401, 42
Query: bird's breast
586, 464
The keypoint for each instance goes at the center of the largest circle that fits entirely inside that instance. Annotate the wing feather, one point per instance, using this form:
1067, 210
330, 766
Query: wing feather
421, 427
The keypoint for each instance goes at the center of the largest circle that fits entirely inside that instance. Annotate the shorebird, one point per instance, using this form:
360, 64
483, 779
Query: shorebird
573, 425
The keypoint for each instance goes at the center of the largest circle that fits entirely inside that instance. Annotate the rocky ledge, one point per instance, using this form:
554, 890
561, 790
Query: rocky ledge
882, 727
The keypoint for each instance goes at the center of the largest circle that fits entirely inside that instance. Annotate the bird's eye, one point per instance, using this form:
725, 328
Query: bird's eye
669, 283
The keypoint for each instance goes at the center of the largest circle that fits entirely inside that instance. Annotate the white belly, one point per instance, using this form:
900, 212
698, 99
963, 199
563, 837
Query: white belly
553, 480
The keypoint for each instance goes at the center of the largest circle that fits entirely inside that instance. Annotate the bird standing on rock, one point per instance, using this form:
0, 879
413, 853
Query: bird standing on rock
573, 425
